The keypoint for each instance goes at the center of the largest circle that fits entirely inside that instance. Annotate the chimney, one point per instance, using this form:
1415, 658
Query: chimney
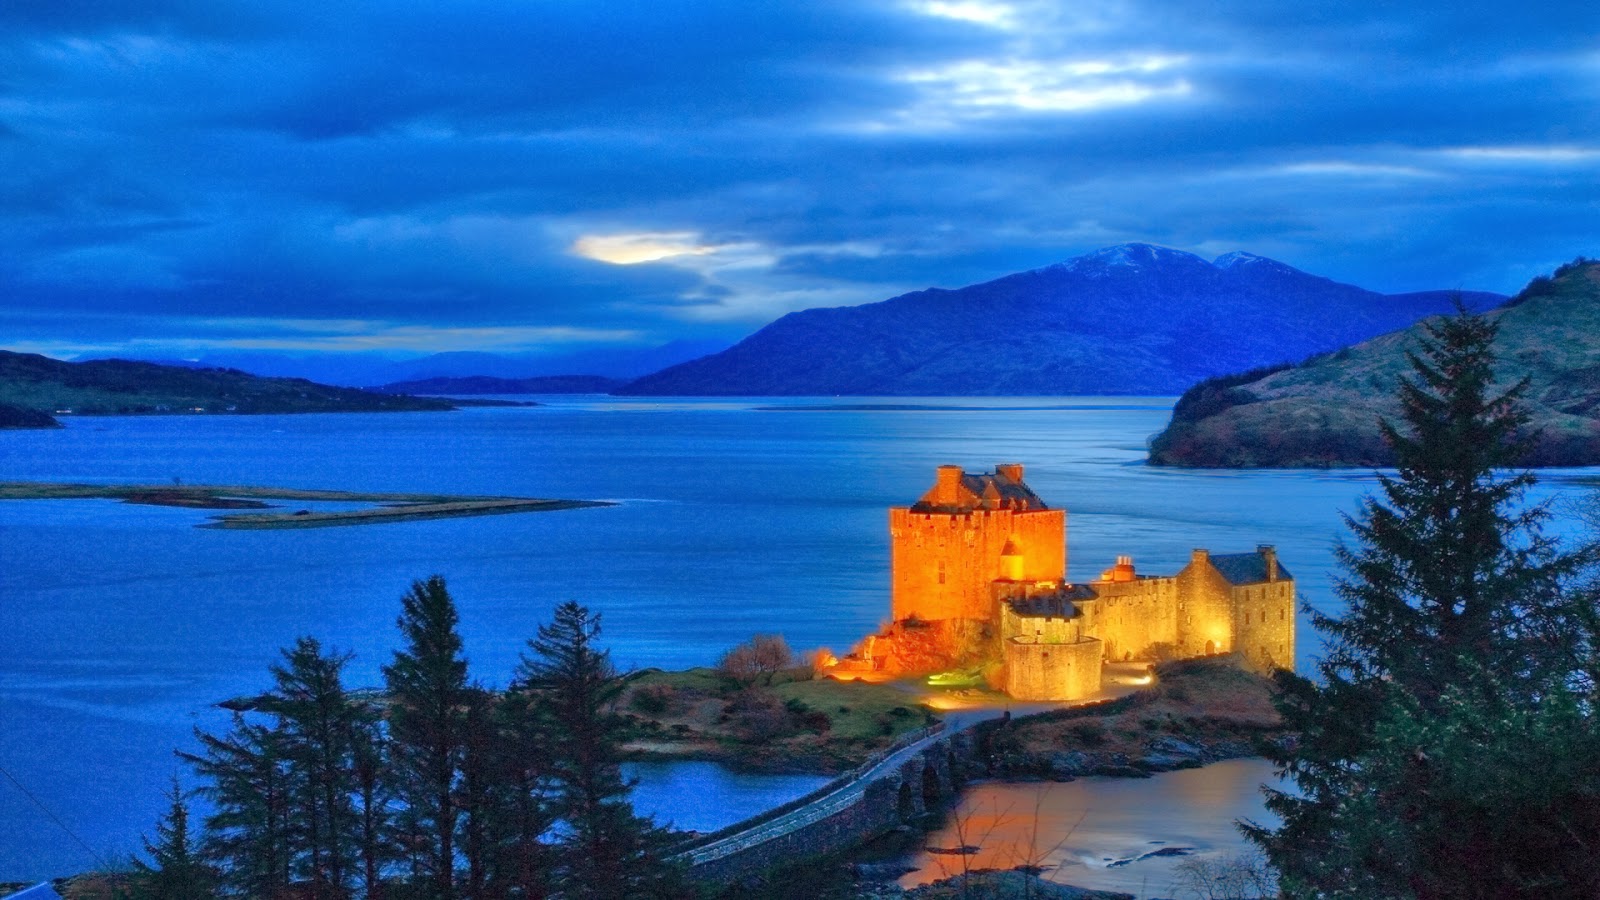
1200, 555
947, 488
1270, 554
1010, 471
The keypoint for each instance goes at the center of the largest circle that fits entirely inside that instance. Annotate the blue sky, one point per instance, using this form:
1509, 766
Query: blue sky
186, 177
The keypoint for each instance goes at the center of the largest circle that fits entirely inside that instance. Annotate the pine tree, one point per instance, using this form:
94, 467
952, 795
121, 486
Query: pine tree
519, 815
247, 835
176, 870
370, 762
316, 726
1451, 674
428, 693
607, 851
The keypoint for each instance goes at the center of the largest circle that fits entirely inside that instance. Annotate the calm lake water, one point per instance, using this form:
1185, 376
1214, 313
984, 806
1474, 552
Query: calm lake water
123, 624
1101, 833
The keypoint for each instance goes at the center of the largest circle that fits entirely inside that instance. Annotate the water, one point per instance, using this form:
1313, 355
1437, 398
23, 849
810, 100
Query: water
123, 624
1093, 832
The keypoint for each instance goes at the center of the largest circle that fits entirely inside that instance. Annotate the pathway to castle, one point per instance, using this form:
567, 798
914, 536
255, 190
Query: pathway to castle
1122, 680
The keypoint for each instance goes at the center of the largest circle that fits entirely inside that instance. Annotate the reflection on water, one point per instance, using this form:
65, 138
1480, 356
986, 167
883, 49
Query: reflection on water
1093, 831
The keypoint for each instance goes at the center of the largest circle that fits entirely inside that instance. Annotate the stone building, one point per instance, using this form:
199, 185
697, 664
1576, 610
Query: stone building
984, 555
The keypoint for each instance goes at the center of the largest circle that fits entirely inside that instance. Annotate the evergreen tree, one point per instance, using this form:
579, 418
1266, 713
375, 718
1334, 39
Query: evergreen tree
1450, 679
519, 814
428, 693
316, 726
176, 870
247, 835
370, 759
606, 851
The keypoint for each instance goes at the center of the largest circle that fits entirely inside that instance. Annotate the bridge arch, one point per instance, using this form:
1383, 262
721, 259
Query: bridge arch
932, 790
905, 802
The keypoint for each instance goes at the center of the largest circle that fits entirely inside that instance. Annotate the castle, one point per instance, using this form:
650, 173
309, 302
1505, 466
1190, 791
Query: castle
979, 566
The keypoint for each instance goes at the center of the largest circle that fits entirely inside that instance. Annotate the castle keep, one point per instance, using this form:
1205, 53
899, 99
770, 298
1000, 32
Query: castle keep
979, 570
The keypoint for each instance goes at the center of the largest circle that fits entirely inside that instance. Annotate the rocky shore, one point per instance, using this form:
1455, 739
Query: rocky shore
1197, 712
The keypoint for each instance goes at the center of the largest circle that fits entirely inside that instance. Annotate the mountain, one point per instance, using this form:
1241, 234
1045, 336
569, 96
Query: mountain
1132, 319
112, 386
1324, 412
482, 384
373, 369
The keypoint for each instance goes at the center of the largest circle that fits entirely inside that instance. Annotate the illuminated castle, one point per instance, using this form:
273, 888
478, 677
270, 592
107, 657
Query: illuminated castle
980, 568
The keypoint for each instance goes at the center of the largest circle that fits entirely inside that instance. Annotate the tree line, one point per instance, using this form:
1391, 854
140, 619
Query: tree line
437, 789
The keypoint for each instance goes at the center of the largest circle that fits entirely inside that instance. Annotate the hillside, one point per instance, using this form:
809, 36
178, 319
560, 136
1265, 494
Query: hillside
484, 384
115, 386
17, 417
1325, 411
1132, 319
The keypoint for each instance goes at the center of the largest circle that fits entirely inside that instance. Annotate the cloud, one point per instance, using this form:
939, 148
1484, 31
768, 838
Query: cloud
483, 172
642, 247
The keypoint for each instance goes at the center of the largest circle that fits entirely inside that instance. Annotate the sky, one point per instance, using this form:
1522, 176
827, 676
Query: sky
184, 177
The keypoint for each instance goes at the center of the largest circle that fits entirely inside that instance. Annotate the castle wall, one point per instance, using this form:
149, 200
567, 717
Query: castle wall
1263, 624
1134, 619
1052, 671
1205, 609
943, 563
1040, 629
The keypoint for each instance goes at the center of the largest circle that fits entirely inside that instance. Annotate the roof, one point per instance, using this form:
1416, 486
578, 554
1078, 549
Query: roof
40, 891
1246, 568
1056, 605
1000, 489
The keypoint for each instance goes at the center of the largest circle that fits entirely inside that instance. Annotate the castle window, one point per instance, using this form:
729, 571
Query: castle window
941, 571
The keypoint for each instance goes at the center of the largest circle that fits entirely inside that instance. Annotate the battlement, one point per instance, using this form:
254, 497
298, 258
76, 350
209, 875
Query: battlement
967, 532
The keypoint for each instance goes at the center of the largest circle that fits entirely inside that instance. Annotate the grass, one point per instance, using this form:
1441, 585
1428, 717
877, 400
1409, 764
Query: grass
795, 724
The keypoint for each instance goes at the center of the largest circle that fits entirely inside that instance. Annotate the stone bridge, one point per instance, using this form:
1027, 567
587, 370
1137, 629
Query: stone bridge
894, 788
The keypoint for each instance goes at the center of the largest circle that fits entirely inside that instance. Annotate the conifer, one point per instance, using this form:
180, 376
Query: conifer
428, 694
1449, 678
606, 851
175, 870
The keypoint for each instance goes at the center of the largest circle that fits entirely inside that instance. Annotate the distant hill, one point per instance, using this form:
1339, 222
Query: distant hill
1132, 319
483, 384
113, 386
370, 369
17, 417
1325, 411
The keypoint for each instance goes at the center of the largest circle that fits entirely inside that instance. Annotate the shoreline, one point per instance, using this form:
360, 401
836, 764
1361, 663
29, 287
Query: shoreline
389, 506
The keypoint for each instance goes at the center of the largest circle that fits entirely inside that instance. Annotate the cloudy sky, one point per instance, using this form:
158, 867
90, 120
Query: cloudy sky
187, 176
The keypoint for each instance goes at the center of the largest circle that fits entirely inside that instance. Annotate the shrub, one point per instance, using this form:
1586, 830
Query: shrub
762, 655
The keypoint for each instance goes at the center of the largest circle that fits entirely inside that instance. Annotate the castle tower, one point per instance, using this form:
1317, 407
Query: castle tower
966, 532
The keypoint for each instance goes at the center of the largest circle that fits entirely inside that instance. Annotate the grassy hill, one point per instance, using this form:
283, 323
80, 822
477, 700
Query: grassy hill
115, 386
1324, 412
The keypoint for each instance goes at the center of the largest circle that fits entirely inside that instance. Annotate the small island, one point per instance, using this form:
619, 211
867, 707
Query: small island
389, 507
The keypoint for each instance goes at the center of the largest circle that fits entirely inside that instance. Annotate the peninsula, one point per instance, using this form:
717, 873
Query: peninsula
45, 386
388, 507
1325, 411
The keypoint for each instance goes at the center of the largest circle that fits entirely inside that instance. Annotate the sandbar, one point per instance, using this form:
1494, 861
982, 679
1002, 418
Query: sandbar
390, 507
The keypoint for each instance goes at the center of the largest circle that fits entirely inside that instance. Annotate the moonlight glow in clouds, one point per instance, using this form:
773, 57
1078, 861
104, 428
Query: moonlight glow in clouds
177, 176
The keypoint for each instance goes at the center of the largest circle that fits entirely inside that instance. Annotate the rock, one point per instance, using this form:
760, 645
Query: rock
1121, 771
1171, 746
1166, 762
1066, 766
885, 871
